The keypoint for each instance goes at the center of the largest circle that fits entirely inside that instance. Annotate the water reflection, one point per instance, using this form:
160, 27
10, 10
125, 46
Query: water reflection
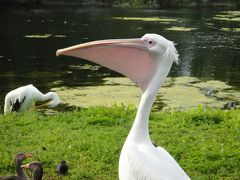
30, 37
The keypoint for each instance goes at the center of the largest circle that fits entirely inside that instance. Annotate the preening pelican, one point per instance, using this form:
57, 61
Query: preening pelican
23, 98
147, 62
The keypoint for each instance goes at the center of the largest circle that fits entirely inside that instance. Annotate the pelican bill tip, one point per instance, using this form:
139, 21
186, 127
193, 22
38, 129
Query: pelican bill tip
58, 52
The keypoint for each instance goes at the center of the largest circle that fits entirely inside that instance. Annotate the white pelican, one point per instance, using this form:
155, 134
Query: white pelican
147, 62
25, 97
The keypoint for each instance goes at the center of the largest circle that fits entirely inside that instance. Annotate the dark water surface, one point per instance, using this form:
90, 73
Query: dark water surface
29, 38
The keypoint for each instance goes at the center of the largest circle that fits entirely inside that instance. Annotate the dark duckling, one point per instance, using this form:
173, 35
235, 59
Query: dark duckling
62, 168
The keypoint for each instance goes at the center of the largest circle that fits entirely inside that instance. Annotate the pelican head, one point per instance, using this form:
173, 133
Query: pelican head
160, 47
137, 58
52, 101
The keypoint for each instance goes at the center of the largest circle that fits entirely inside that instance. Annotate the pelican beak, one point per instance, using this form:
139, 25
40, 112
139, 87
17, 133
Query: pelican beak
27, 155
44, 105
135, 43
25, 166
129, 57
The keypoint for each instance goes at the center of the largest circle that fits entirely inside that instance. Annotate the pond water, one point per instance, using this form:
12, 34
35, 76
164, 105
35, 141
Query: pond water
207, 40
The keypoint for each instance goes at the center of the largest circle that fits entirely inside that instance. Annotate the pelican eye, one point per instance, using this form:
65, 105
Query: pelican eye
148, 42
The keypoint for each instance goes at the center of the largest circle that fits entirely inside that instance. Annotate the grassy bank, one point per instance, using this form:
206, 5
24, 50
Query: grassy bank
205, 142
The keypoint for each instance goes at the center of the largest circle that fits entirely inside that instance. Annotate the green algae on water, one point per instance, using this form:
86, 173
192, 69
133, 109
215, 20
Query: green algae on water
38, 36
181, 28
146, 19
44, 36
175, 93
230, 29
228, 16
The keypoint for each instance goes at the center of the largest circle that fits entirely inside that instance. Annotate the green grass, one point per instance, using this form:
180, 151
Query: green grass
205, 142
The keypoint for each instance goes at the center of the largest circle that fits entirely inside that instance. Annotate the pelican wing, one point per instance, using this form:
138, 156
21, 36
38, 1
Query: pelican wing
127, 57
158, 164
19, 95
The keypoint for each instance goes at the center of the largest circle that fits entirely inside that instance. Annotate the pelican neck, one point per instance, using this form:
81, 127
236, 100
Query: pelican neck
139, 130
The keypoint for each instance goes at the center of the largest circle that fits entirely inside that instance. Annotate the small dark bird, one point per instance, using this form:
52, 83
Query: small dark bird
21, 175
62, 168
36, 168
